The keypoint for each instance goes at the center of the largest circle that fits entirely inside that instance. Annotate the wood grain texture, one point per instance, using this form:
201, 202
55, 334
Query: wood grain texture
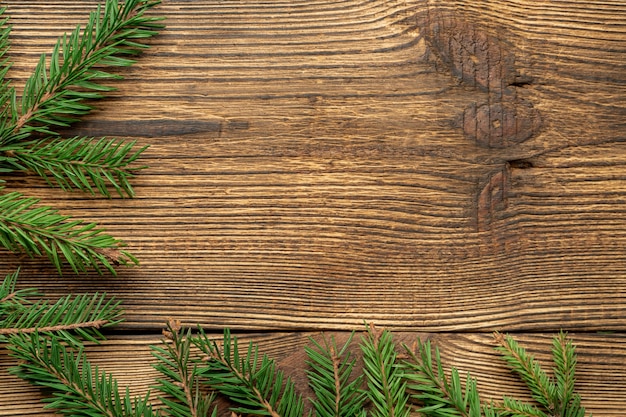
432, 166
309, 161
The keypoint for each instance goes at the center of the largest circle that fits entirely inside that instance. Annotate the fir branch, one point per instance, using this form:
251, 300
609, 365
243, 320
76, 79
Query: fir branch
556, 398
329, 377
564, 357
543, 389
516, 408
82, 163
83, 315
387, 387
42, 231
181, 382
55, 94
79, 389
256, 385
438, 395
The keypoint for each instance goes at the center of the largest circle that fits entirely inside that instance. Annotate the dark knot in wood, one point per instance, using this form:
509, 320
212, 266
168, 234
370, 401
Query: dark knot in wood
500, 124
475, 57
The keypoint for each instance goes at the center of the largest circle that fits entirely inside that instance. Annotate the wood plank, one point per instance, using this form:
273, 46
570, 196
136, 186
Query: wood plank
601, 376
312, 165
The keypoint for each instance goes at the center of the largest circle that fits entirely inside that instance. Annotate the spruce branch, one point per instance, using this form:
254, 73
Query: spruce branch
37, 231
46, 339
82, 314
59, 91
71, 317
79, 389
12, 300
516, 408
55, 93
526, 366
8, 114
252, 382
180, 382
86, 164
556, 398
336, 395
437, 394
564, 357
194, 367
385, 380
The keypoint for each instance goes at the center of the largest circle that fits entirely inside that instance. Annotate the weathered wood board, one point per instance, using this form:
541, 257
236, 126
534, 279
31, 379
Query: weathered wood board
429, 166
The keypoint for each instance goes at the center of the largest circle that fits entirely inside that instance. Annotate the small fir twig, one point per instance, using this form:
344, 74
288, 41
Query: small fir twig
80, 389
46, 340
42, 231
180, 383
71, 317
385, 381
554, 398
437, 394
252, 382
330, 372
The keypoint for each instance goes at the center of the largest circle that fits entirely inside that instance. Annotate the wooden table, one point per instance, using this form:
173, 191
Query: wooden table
443, 169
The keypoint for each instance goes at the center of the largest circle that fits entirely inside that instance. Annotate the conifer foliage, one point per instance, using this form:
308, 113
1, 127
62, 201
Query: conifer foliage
194, 368
60, 90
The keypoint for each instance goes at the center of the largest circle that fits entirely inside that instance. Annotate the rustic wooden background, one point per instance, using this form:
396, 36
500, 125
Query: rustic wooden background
443, 169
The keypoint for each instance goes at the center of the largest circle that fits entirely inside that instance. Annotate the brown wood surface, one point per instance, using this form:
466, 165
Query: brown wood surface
444, 167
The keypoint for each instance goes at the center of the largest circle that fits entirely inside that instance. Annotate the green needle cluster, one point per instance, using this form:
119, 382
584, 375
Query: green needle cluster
60, 90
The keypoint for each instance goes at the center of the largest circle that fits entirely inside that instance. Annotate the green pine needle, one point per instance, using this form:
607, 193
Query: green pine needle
516, 408
46, 339
194, 368
55, 93
12, 300
556, 398
82, 315
385, 379
251, 381
7, 93
337, 395
564, 357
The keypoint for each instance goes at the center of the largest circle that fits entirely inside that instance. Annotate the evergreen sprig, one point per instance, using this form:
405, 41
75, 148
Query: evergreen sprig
252, 382
42, 231
55, 94
79, 388
385, 378
60, 90
46, 339
71, 317
184, 396
555, 397
330, 372
437, 394
82, 163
